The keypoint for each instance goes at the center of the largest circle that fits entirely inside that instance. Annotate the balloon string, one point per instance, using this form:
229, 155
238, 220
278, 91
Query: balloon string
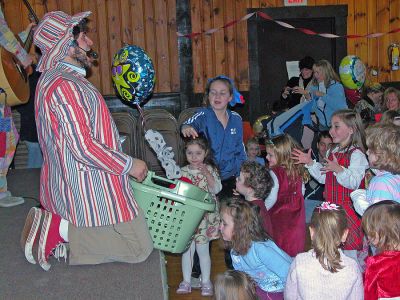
142, 116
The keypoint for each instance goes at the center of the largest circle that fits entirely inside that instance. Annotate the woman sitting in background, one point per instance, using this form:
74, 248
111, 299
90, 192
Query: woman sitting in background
392, 98
371, 103
327, 93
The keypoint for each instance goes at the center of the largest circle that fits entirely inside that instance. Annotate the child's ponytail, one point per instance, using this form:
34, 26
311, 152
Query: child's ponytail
328, 227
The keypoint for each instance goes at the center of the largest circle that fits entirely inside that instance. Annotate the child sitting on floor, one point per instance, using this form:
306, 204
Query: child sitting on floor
234, 285
253, 151
255, 184
252, 249
325, 272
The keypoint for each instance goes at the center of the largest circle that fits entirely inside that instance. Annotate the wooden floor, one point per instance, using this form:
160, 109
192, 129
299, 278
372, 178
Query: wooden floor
174, 271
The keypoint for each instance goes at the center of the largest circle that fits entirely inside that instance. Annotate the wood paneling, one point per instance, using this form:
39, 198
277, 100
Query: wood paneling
150, 24
364, 17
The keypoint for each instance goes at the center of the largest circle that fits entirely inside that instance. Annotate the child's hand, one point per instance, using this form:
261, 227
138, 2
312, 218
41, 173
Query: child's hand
331, 165
235, 192
300, 157
189, 131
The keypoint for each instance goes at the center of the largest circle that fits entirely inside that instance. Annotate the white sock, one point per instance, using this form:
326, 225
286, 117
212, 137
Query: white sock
187, 262
203, 251
63, 229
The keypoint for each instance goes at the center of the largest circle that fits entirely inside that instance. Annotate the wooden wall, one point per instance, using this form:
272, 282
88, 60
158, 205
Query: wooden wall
226, 50
151, 24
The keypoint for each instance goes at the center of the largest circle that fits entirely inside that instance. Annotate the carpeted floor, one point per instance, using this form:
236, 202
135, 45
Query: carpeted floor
22, 280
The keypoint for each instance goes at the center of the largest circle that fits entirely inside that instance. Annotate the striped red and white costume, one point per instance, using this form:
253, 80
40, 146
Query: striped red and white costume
84, 175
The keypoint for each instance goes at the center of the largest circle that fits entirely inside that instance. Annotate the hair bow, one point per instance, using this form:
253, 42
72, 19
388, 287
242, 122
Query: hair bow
328, 206
237, 98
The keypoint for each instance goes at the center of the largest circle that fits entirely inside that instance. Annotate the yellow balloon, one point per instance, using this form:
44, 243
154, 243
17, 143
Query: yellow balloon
258, 126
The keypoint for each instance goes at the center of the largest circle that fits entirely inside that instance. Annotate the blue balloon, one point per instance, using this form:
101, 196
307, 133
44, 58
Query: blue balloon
133, 74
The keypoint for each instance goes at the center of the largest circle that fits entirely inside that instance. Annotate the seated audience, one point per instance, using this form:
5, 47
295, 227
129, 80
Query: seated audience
293, 93
392, 98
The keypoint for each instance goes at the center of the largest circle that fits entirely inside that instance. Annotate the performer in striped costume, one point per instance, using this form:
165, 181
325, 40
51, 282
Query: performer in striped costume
84, 184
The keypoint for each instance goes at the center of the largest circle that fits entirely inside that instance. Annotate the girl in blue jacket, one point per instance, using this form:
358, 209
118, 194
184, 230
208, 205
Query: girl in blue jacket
222, 128
252, 250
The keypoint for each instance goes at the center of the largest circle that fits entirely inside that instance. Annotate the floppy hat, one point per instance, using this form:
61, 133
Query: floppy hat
53, 36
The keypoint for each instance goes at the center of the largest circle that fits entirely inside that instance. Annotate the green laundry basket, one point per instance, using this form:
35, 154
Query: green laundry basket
172, 214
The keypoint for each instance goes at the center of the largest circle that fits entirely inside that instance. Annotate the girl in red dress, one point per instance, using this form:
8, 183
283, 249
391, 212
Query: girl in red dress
286, 200
342, 171
381, 224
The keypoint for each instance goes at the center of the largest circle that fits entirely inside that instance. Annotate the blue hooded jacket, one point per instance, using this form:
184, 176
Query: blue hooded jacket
226, 144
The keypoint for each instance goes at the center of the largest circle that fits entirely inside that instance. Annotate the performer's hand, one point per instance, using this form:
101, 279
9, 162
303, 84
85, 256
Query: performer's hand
26, 63
138, 169
189, 131
300, 157
30, 26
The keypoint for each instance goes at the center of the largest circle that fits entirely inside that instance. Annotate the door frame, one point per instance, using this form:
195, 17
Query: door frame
337, 12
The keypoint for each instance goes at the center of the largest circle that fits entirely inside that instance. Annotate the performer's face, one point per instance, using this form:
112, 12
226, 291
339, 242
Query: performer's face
80, 53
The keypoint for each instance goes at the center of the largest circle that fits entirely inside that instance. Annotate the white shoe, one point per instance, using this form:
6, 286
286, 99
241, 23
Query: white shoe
195, 283
10, 201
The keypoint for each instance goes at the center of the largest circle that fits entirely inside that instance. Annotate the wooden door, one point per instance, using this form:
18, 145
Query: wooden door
271, 45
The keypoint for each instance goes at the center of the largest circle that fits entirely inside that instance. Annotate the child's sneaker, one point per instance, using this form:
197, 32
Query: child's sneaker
195, 282
207, 289
184, 288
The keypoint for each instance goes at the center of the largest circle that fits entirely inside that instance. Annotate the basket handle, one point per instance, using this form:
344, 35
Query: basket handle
151, 175
201, 205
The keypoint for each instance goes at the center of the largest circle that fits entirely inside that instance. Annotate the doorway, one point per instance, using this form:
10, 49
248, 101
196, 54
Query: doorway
271, 45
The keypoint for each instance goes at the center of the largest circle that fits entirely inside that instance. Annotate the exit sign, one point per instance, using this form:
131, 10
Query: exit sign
295, 2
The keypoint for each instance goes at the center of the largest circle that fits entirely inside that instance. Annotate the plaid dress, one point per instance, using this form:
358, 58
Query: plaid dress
336, 193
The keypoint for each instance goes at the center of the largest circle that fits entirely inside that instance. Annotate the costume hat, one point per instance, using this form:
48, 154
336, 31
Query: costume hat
54, 35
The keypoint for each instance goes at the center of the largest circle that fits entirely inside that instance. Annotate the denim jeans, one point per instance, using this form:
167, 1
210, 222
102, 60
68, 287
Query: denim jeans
35, 158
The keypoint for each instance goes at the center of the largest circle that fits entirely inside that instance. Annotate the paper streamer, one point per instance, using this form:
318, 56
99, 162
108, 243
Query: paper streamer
286, 25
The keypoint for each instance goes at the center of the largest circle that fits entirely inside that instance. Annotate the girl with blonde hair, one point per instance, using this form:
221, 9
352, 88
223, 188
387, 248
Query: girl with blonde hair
327, 93
343, 171
383, 141
234, 285
325, 272
286, 200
